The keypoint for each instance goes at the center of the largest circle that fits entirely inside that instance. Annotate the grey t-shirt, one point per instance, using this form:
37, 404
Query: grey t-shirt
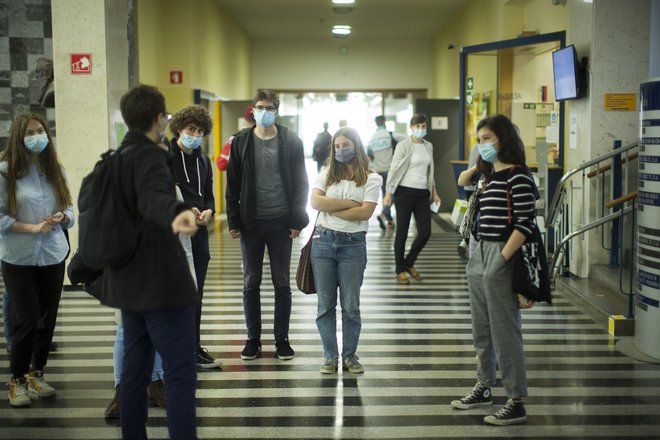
271, 197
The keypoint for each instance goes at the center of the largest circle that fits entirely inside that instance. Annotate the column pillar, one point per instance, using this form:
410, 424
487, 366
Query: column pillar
87, 99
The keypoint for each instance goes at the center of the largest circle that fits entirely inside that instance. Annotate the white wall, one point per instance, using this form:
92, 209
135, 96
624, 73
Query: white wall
378, 63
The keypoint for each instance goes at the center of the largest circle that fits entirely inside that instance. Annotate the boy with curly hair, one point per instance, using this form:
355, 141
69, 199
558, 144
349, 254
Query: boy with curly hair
192, 173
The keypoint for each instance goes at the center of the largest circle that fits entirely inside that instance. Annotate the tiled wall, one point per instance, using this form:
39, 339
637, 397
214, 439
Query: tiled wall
25, 38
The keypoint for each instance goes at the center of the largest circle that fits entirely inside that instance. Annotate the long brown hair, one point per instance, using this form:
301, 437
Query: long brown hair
512, 148
357, 170
18, 160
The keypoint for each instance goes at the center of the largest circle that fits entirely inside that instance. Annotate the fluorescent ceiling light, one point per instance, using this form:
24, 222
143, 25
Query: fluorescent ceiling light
343, 2
341, 30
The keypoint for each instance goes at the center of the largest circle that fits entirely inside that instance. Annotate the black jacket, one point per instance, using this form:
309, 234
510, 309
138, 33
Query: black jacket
241, 193
157, 277
196, 192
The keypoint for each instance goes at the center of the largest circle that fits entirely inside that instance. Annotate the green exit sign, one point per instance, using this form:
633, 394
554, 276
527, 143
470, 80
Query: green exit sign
529, 106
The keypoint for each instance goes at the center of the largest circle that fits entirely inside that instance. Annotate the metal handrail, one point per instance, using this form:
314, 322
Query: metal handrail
560, 247
552, 211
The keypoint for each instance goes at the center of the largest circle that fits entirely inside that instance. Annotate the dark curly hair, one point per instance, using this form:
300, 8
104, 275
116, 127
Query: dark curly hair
195, 115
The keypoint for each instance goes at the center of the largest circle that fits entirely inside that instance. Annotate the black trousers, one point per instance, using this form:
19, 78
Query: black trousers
409, 202
201, 258
34, 293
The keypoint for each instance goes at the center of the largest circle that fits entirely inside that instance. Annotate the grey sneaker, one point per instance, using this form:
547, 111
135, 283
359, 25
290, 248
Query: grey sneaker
330, 366
511, 414
351, 364
479, 396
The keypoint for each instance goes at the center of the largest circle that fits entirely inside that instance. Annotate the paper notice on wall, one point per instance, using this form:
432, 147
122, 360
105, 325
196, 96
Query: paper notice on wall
552, 134
439, 123
572, 130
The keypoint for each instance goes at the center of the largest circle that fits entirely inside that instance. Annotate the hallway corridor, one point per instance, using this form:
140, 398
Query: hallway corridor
416, 348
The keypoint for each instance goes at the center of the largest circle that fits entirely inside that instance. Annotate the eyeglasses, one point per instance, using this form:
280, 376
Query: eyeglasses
270, 108
168, 116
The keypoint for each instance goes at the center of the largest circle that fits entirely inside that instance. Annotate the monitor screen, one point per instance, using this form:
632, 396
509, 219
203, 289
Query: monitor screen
564, 65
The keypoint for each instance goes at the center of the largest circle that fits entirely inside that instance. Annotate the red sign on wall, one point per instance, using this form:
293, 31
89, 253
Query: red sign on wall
176, 77
81, 63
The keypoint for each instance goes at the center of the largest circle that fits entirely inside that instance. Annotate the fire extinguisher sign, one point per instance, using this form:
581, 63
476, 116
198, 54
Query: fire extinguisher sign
81, 63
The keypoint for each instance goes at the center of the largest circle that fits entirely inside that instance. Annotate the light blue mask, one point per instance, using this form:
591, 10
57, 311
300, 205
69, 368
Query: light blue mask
36, 143
488, 152
419, 134
345, 155
191, 142
264, 118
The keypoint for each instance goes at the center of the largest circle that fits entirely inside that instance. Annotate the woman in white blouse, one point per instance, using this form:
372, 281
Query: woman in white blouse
35, 204
346, 194
410, 180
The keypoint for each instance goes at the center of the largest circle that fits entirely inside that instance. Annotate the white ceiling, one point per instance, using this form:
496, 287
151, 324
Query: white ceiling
315, 18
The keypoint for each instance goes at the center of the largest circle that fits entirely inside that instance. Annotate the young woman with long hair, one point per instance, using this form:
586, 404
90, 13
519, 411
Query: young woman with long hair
506, 216
35, 206
346, 195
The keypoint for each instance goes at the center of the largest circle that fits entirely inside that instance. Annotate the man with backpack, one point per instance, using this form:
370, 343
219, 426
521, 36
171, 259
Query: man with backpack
155, 293
380, 150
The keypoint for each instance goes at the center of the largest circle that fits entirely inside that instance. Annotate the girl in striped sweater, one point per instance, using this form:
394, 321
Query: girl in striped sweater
506, 210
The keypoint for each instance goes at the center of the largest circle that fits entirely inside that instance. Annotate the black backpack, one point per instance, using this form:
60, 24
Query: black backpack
108, 232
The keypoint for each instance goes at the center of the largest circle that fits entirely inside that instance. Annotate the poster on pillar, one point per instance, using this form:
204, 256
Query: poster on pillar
647, 310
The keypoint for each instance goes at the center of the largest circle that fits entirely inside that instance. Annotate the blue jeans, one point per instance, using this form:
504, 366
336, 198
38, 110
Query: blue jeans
171, 332
156, 373
338, 261
273, 234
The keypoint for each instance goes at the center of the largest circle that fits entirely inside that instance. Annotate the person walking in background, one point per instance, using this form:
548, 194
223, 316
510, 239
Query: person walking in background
266, 207
506, 218
35, 204
346, 195
223, 160
380, 150
194, 177
410, 179
321, 147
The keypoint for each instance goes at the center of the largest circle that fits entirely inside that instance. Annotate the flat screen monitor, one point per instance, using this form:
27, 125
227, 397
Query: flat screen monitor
565, 68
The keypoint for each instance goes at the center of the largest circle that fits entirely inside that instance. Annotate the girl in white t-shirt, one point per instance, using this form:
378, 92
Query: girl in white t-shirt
346, 194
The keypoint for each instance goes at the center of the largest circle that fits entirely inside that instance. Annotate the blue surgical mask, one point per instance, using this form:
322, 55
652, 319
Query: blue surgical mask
419, 134
488, 152
36, 143
264, 118
191, 142
345, 155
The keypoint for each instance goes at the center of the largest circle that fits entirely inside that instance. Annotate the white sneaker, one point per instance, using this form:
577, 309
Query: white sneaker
18, 392
38, 388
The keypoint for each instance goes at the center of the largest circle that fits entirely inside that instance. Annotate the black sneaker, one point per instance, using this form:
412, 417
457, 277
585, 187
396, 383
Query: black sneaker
205, 360
479, 396
252, 350
512, 413
284, 351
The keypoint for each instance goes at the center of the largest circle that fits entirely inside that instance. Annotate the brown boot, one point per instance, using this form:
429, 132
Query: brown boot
156, 393
112, 411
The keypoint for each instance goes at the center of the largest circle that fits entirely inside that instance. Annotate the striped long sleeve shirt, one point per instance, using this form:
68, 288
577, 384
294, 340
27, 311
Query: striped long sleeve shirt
496, 222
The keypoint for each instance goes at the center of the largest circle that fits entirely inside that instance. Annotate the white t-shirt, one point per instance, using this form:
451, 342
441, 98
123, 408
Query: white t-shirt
417, 174
346, 189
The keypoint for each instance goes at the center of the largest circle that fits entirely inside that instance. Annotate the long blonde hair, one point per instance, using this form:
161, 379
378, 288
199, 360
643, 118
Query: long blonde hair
18, 160
357, 170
